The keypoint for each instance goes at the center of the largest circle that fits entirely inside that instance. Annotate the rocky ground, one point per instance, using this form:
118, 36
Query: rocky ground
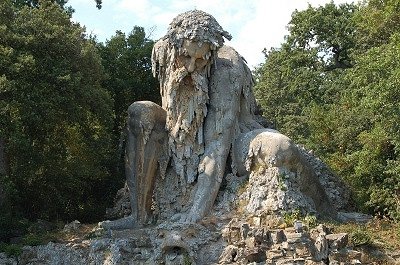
229, 240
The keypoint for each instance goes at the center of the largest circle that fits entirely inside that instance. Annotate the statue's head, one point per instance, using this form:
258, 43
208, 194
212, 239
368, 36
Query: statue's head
192, 41
196, 26
196, 36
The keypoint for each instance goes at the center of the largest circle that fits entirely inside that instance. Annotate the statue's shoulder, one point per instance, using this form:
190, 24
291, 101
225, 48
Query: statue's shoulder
227, 52
229, 58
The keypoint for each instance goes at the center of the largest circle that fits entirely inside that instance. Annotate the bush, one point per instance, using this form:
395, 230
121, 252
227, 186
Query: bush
360, 237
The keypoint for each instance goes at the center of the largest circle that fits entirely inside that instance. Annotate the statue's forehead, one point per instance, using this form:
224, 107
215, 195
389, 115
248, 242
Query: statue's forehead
196, 46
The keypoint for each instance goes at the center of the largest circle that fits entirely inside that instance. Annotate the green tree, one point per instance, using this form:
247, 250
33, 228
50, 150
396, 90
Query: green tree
329, 29
377, 21
287, 82
300, 73
55, 117
61, 3
374, 84
349, 112
128, 78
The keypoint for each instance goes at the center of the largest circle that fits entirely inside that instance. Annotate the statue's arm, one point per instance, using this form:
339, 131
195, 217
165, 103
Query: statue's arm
221, 123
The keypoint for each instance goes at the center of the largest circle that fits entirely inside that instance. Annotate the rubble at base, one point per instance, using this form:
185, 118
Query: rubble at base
214, 241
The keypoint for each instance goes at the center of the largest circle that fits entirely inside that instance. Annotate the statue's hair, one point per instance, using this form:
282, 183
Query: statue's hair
197, 26
194, 25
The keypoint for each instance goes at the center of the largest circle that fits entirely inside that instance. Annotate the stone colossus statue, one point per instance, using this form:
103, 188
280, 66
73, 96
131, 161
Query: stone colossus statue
206, 119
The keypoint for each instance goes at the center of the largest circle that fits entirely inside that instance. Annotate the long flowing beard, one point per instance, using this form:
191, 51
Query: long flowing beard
186, 98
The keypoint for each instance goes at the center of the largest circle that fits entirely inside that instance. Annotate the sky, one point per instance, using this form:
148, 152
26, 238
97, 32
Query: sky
253, 24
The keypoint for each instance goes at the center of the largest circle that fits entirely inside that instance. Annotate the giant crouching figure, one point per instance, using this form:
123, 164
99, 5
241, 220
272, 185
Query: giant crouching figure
177, 153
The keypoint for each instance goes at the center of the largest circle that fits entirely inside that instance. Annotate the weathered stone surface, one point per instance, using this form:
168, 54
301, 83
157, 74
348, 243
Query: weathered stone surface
321, 247
177, 172
336, 190
4, 260
295, 237
344, 256
281, 179
177, 243
52, 254
337, 241
72, 226
354, 217
122, 205
277, 236
275, 254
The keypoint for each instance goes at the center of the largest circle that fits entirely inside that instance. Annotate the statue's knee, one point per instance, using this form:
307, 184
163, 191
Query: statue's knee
267, 147
146, 113
140, 108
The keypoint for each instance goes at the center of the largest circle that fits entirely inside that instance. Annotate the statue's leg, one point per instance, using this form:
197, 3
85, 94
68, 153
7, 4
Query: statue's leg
146, 140
265, 148
146, 136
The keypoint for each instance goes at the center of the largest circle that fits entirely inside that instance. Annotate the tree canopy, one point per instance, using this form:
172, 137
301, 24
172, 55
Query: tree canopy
55, 115
63, 103
128, 75
333, 86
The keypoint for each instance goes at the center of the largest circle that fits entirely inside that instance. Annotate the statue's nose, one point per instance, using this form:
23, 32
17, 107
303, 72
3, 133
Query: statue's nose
192, 65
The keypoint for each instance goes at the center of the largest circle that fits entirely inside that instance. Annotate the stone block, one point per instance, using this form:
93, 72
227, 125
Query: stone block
258, 234
250, 242
290, 261
303, 250
295, 237
253, 255
267, 239
257, 221
344, 256
321, 247
321, 228
277, 236
244, 230
337, 241
229, 255
235, 234
274, 254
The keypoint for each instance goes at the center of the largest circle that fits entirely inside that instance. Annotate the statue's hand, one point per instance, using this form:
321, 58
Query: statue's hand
190, 218
180, 74
186, 218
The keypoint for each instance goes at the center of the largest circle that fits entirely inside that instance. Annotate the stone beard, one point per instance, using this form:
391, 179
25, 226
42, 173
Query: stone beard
186, 96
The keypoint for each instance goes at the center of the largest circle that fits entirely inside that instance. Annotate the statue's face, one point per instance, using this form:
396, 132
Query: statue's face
193, 56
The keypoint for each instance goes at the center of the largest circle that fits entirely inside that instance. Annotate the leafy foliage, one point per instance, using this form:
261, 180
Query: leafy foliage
334, 86
55, 116
63, 102
127, 64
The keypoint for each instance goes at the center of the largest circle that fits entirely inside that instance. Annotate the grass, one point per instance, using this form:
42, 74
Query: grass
381, 233
376, 239
56, 236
